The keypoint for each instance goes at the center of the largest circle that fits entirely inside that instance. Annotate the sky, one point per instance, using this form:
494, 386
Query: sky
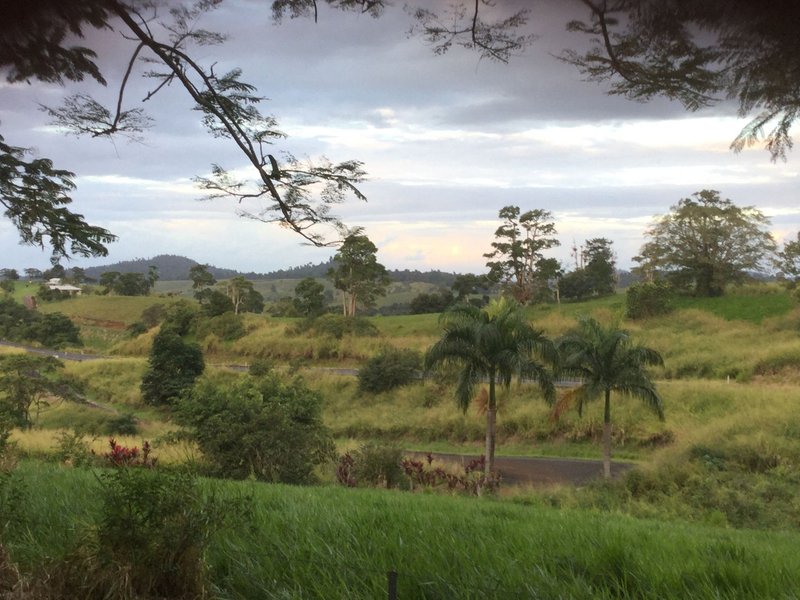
447, 141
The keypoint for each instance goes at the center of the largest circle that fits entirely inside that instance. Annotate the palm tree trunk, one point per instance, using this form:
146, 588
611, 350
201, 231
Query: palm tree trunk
607, 436
491, 432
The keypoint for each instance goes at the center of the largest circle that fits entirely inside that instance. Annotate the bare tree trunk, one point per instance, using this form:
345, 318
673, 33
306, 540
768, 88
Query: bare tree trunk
491, 427
607, 436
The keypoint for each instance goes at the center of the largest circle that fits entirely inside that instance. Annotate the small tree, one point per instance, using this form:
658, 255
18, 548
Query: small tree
467, 284
28, 383
358, 274
243, 295
201, 277
492, 344
172, 368
78, 275
309, 298
518, 247
788, 260
33, 274
607, 361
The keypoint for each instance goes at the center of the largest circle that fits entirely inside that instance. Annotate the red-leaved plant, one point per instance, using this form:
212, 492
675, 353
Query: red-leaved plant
473, 481
122, 456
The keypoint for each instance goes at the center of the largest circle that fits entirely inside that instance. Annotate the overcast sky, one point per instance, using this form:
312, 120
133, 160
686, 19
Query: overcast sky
446, 140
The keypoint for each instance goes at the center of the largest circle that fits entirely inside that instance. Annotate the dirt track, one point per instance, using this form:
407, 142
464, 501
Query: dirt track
516, 470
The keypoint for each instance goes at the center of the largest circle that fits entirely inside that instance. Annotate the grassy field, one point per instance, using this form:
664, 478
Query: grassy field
337, 543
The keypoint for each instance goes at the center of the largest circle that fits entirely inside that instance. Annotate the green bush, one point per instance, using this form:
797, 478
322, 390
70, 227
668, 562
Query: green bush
227, 326
258, 427
648, 299
336, 326
389, 369
73, 449
173, 366
124, 424
180, 318
373, 464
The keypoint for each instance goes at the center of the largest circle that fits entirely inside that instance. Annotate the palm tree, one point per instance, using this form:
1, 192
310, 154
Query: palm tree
494, 345
606, 360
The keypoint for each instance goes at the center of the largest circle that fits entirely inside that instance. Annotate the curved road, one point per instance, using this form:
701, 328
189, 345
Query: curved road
515, 470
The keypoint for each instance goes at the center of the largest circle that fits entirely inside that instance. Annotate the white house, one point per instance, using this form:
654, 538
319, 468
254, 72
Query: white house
55, 284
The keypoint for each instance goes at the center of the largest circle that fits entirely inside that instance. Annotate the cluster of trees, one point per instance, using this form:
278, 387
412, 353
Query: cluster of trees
52, 330
518, 265
129, 284
236, 295
355, 272
702, 245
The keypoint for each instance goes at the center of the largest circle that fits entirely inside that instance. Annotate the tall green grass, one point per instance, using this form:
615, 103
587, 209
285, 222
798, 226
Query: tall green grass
338, 543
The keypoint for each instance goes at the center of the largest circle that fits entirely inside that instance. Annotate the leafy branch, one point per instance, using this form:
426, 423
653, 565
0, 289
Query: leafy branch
497, 40
35, 197
300, 196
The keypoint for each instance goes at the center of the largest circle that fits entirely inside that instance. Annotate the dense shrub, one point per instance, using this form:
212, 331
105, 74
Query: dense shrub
153, 315
56, 330
180, 318
172, 367
124, 424
259, 427
227, 326
47, 294
435, 302
214, 302
373, 464
336, 326
648, 299
389, 369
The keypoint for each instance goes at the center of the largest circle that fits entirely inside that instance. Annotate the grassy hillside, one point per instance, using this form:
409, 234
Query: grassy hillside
730, 384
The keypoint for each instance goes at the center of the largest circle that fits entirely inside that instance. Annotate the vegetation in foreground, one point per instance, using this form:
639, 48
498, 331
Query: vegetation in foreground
291, 542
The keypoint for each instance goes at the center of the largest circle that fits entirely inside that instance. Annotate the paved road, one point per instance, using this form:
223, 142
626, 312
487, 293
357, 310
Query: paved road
78, 356
539, 471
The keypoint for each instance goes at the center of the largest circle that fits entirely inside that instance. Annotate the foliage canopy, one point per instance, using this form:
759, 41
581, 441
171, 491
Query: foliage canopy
705, 243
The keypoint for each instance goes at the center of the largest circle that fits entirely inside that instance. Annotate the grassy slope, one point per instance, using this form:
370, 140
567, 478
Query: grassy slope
724, 436
339, 543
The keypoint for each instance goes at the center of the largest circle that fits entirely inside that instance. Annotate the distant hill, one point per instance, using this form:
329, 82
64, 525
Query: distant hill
176, 268
170, 268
